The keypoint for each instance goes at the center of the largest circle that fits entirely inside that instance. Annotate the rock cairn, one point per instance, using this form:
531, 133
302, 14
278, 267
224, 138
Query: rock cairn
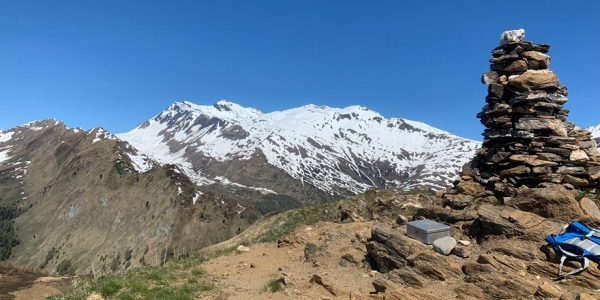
527, 140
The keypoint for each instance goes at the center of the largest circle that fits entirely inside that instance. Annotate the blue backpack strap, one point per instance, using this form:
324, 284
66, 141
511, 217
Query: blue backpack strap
576, 241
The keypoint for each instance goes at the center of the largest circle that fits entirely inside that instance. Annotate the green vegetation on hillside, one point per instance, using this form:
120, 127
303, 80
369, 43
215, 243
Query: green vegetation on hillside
8, 236
178, 279
181, 278
276, 203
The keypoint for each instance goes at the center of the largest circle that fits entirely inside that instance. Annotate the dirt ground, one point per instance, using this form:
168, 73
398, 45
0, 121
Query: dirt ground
245, 275
20, 285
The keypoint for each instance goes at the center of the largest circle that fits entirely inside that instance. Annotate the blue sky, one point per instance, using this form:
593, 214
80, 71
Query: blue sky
117, 63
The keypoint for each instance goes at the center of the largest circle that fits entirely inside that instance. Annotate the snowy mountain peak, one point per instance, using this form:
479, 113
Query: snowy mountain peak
333, 149
595, 130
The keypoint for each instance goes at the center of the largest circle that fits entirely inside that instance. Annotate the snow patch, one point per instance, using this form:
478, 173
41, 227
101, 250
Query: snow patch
226, 181
196, 196
6, 136
4, 154
102, 134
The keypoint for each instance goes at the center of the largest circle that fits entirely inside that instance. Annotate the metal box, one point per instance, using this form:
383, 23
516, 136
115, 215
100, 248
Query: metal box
426, 231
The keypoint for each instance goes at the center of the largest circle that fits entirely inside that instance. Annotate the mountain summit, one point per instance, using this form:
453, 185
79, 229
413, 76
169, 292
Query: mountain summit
337, 151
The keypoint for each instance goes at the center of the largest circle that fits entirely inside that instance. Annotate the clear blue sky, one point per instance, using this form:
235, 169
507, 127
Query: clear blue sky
117, 63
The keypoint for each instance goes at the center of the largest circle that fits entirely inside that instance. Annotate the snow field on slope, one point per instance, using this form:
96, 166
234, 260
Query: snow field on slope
4, 154
352, 133
6, 136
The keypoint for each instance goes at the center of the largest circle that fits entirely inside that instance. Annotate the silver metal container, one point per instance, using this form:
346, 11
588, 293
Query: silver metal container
426, 231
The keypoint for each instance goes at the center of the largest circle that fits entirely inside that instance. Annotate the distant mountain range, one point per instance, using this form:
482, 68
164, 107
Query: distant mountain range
85, 200
337, 151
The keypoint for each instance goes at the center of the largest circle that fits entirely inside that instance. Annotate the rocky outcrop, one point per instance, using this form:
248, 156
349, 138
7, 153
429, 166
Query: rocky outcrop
517, 190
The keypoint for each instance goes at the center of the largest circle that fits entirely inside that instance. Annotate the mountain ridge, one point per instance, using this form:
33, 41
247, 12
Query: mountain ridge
331, 148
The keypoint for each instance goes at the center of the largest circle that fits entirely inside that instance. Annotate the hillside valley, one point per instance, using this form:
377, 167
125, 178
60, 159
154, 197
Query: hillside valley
77, 201
74, 206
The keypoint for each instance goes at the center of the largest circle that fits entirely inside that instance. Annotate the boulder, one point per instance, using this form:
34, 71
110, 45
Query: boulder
389, 248
534, 80
553, 202
510, 222
589, 207
444, 245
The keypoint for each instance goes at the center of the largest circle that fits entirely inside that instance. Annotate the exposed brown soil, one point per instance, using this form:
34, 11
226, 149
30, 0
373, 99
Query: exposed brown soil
22, 285
336, 269
246, 275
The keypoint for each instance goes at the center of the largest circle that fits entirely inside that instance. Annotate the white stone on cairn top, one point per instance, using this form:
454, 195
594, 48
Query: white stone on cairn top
512, 36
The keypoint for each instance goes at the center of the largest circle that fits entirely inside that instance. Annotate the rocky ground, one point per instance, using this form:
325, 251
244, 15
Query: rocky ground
500, 254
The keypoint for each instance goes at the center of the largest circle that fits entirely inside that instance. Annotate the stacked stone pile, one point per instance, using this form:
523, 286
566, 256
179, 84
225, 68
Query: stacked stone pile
527, 141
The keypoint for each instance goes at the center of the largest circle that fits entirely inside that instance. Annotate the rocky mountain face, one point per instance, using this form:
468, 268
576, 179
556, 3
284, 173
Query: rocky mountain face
310, 153
88, 201
71, 202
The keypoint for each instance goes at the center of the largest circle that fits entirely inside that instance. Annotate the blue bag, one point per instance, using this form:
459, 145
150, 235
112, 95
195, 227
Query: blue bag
576, 241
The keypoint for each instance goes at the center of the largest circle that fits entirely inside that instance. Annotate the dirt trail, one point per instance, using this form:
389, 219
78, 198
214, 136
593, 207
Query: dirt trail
20, 285
246, 275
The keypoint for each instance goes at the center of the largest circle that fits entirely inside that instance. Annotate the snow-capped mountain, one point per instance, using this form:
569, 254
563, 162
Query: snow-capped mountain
337, 150
595, 133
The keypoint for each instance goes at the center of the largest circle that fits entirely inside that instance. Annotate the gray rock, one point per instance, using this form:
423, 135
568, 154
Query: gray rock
461, 252
504, 58
511, 67
512, 36
444, 245
489, 77
543, 60
531, 124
